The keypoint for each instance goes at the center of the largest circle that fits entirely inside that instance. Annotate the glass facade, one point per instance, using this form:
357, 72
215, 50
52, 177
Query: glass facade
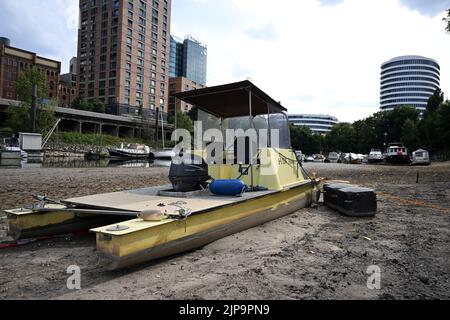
194, 61
316, 122
176, 58
408, 80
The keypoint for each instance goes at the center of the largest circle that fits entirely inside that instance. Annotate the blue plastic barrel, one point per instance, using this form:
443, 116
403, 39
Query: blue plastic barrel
228, 187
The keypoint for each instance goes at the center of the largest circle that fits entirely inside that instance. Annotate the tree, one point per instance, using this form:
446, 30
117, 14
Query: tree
443, 129
435, 100
302, 138
342, 137
447, 21
19, 118
410, 134
185, 122
25, 82
99, 107
193, 113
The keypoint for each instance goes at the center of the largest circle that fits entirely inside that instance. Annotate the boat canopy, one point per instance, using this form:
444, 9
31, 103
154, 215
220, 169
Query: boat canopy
232, 100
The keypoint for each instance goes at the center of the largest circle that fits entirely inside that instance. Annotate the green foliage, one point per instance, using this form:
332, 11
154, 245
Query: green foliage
410, 134
19, 118
98, 106
443, 128
302, 138
185, 122
193, 113
25, 82
405, 124
76, 138
343, 137
435, 100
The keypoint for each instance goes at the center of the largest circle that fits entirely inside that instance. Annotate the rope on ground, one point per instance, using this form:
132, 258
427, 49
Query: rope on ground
23, 242
413, 202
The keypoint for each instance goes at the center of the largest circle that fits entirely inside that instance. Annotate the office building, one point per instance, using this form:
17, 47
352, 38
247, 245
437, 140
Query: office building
408, 80
123, 54
318, 123
14, 60
188, 59
176, 57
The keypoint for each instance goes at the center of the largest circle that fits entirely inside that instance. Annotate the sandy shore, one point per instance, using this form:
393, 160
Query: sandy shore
312, 254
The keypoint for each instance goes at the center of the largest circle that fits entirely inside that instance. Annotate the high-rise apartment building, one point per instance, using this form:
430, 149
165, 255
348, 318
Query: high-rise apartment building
188, 59
123, 54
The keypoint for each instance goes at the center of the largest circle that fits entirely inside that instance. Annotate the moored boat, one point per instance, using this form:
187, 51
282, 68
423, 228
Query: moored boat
13, 153
131, 151
166, 154
397, 153
268, 180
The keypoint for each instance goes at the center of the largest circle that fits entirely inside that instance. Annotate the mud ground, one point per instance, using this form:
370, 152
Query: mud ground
314, 253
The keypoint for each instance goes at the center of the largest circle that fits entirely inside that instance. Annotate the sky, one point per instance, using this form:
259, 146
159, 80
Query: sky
315, 56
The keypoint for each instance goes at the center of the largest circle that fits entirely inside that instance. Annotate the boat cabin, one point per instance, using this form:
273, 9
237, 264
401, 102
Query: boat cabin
242, 133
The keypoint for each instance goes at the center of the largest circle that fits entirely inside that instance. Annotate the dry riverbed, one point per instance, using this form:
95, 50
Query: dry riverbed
312, 254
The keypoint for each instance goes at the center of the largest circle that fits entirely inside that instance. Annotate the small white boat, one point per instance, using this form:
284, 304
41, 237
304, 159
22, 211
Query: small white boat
333, 157
166, 154
13, 153
421, 157
352, 158
375, 156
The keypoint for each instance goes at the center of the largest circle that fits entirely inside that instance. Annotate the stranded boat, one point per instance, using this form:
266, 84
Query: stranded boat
375, 156
397, 153
421, 157
246, 189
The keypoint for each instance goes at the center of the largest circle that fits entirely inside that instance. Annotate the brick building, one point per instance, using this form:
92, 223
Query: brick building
14, 60
181, 84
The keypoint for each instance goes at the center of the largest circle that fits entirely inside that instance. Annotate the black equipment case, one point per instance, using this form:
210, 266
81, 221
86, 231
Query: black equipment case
350, 200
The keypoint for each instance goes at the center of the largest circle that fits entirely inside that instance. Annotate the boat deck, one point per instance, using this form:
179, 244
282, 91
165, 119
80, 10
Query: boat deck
158, 198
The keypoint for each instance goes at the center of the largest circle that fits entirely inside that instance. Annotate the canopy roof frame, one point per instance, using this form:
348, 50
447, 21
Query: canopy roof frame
232, 100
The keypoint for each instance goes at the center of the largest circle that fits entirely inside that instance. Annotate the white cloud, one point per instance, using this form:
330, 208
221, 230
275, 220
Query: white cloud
312, 56
329, 54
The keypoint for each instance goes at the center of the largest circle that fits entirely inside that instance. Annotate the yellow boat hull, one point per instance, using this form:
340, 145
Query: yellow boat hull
161, 239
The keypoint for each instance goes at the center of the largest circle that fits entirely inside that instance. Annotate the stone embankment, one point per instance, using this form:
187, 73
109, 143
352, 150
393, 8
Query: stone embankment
62, 150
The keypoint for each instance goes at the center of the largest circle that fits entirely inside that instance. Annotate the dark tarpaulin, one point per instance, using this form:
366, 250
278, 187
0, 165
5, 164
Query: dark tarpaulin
231, 100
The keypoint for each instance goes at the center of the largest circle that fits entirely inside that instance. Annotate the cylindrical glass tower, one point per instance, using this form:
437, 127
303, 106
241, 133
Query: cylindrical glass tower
408, 80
